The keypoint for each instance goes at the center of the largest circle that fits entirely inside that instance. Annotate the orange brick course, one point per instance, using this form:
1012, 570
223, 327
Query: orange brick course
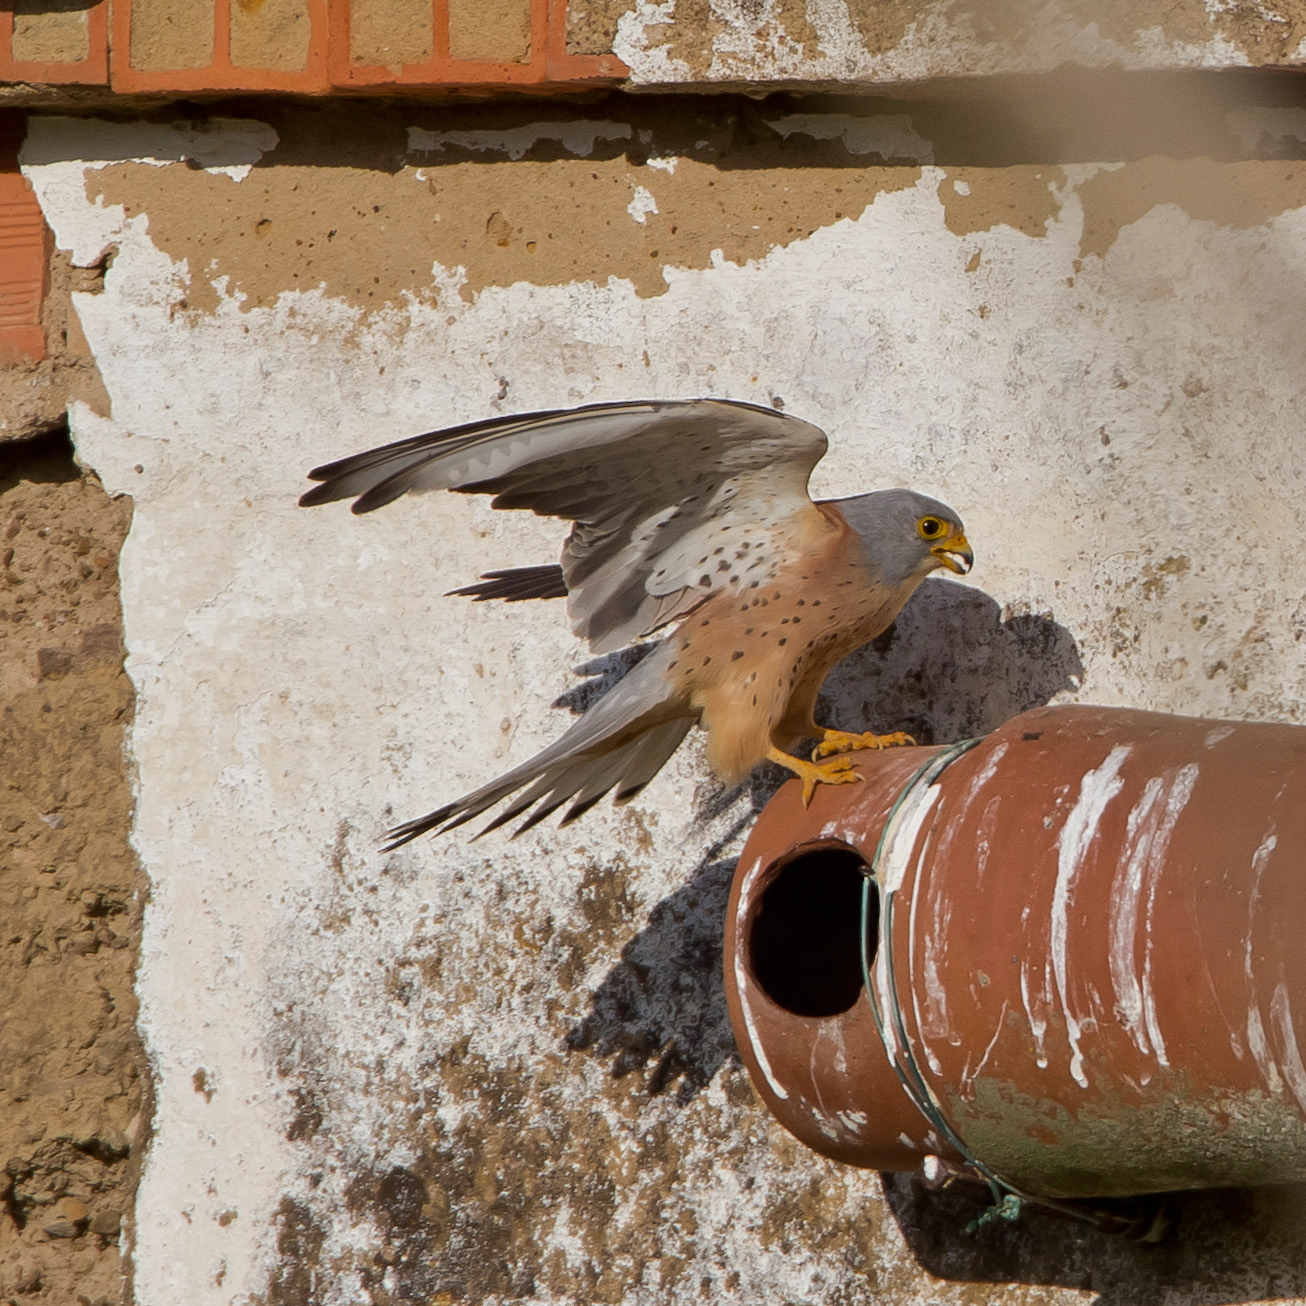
318, 47
24, 251
545, 60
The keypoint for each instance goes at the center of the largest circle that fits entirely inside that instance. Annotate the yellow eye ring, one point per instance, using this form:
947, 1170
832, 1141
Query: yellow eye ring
930, 528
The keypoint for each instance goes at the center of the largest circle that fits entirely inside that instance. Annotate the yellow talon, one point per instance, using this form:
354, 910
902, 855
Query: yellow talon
837, 772
841, 741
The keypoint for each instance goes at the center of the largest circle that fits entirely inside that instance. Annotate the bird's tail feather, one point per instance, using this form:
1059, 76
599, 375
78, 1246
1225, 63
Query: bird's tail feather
517, 583
620, 743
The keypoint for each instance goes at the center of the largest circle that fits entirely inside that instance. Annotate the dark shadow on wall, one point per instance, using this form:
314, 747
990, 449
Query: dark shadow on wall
1226, 1246
953, 665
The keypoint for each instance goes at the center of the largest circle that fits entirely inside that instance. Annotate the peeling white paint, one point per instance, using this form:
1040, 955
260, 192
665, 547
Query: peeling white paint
642, 204
633, 47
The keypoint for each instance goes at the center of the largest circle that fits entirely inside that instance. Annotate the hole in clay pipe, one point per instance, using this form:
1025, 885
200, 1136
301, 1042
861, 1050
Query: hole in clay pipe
804, 947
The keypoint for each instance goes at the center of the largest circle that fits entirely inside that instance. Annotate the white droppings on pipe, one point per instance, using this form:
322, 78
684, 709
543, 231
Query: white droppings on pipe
935, 946
1177, 799
827, 1127
1261, 1050
753, 1040
935, 994
1256, 1040
902, 839
983, 835
888, 1030
1096, 790
815, 1079
1038, 1024
899, 843
1150, 825
1213, 737
741, 982
969, 1076
1293, 1069
937, 1022
1126, 901
984, 774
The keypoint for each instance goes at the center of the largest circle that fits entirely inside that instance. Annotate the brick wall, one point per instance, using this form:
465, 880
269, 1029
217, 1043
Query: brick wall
309, 46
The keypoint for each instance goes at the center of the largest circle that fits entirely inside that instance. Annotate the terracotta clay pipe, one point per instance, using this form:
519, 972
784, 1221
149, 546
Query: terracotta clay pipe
1086, 944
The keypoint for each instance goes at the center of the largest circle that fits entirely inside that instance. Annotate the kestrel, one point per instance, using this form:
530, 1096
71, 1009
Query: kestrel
689, 514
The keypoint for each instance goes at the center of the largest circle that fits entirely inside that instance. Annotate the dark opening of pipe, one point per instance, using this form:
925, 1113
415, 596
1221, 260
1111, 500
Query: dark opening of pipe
804, 939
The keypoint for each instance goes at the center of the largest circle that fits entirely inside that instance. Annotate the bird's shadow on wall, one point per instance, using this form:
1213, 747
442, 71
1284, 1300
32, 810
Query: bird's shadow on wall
952, 666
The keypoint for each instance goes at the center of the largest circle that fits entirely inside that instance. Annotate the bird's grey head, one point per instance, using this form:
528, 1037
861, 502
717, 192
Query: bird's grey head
907, 535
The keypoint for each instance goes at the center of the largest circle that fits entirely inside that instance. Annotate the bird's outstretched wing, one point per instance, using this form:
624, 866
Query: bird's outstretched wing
670, 501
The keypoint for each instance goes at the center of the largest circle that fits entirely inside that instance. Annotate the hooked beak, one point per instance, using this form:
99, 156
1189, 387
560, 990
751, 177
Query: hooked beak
954, 553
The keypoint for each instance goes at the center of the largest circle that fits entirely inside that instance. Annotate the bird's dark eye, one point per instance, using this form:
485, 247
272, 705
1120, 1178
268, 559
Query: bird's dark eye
930, 528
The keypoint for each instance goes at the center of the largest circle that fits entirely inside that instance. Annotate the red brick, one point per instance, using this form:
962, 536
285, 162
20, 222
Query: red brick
24, 253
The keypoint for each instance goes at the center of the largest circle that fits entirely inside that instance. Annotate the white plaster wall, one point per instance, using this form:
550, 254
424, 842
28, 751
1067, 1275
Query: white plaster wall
302, 683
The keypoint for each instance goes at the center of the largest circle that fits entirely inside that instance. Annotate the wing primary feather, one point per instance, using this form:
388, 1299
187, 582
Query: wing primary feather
517, 583
425, 443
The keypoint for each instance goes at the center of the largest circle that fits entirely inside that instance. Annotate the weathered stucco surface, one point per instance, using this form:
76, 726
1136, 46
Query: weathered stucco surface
73, 1085
812, 43
501, 1070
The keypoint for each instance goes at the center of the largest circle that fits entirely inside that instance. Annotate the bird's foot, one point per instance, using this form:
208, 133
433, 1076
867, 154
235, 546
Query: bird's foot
839, 771
841, 741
